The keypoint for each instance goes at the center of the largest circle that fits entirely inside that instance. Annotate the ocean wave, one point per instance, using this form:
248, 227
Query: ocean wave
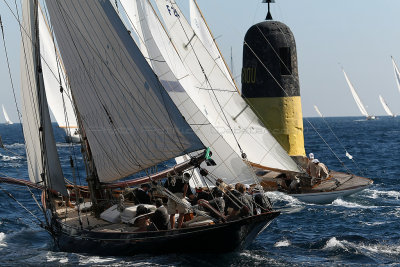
279, 196
9, 158
370, 250
15, 145
95, 260
374, 194
282, 243
2, 240
342, 203
333, 244
50, 257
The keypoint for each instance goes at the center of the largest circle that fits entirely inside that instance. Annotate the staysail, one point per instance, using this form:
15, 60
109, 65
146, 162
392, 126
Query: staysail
385, 106
130, 121
40, 145
218, 99
202, 30
53, 75
396, 73
355, 96
8, 121
230, 166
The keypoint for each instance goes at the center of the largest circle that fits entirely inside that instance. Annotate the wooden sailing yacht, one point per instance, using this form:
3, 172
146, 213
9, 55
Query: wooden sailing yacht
129, 123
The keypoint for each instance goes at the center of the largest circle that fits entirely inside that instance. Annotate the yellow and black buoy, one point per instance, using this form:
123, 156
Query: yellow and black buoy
270, 82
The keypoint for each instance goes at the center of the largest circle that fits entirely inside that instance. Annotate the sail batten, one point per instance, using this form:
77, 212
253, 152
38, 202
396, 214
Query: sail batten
130, 121
355, 96
40, 144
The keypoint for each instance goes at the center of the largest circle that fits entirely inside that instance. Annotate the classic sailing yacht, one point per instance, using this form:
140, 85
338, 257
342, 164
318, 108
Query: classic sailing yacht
357, 99
129, 123
8, 121
386, 107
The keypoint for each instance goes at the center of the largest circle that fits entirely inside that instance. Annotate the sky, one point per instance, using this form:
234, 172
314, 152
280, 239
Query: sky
359, 35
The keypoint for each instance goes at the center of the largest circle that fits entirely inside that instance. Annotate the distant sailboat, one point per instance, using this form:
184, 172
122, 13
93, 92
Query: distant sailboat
386, 107
8, 121
360, 105
396, 73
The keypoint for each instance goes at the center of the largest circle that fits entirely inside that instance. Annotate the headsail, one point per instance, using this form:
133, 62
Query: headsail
385, 106
130, 121
38, 132
53, 75
8, 121
355, 96
202, 30
396, 73
218, 99
317, 110
230, 166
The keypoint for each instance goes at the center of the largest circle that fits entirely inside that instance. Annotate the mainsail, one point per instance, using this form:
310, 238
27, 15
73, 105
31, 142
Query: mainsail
129, 119
8, 121
202, 30
60, 103
317, 110
230, 166
217, 98
385, 106
396, 73
355, 96
40, 145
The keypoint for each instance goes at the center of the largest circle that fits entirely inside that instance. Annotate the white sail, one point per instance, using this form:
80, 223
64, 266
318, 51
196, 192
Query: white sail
40, 145
8, 121
131, 10
355, 96
202, 30
317, 110
129, 119
218, 99
230, 166
385, 106
53, 75
396, 73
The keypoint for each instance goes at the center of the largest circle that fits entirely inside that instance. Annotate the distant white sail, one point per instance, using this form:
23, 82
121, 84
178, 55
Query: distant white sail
317, 110
396, 73
8, 121
355, 96
385, 106
202, 30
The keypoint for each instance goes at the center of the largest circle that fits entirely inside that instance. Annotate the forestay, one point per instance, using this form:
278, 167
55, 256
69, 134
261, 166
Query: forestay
130, 121
218, 99
355, 96
40, 145
202, 30
54, 77
230, 166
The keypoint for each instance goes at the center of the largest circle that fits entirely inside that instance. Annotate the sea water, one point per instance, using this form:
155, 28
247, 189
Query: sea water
362, 229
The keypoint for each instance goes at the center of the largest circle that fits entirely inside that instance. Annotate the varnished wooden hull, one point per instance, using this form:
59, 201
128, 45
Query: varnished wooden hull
218, 238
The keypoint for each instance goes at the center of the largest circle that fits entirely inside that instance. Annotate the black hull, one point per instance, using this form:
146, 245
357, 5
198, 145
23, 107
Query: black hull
218, 238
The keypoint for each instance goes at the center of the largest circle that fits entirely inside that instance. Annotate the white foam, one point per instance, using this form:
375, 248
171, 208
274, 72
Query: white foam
9, 158
333, 243
15, 145
2, 240
374, 194
342, 203
94, 260
53, 258
279, 196
381, 248
282, 243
